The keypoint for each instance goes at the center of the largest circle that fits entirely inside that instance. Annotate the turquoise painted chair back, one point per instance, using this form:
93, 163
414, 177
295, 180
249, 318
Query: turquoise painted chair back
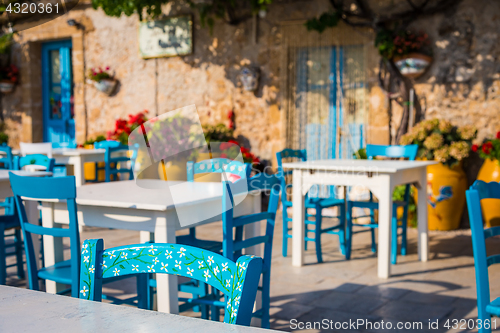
478, 191
237, 280
290, 154
6, 158
217, 165
35, 160
232, 246
69, 145
409, 151
112, 147
60, 188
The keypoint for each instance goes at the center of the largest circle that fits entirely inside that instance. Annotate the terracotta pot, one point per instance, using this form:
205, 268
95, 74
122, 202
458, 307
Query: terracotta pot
445, 196
490, 172
6, 87
413, 64
106, 86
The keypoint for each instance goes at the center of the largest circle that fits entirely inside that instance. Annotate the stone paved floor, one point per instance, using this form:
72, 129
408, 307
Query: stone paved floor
339, 290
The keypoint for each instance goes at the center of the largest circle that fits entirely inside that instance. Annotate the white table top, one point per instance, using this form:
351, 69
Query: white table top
24, 310
158, 195
69, 151
4, 174
381, 166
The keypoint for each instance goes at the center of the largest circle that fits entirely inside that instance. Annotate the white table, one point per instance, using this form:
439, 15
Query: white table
24, 310
380, 177
124, 205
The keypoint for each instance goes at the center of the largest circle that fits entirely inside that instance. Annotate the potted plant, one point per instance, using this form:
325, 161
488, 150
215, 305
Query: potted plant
89, 168
489, 151
9, 76
439, 140
410, 51
102, 80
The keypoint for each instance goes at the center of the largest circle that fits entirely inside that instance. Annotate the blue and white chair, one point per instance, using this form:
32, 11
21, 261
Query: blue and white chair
372, 151
9, 220
236, 280
486, 308
313, 219
115, 165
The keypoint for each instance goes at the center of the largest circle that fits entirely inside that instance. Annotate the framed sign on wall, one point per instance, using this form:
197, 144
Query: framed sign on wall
169, 37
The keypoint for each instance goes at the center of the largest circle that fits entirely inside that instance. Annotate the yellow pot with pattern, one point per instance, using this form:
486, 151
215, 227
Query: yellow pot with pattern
445, 196
490, 172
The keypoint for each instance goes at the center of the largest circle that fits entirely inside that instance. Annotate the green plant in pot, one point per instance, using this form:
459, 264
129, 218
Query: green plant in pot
449, 145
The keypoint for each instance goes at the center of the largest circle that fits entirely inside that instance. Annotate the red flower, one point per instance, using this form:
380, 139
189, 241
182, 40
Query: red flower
223, 155
498, 135
230, 114
485, 149
474, 148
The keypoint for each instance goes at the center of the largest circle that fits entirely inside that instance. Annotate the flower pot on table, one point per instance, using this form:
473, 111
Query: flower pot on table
413, 64
6, 87
490, 172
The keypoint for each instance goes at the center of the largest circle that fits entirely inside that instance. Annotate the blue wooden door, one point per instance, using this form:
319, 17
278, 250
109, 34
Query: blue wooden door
57, 89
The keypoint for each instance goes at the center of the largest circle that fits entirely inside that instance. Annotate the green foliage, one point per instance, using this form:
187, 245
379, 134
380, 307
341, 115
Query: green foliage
217, 133
5, 43
326, 20
4, 138
392, 43
152, 8
360, 154
91, 141
384, 41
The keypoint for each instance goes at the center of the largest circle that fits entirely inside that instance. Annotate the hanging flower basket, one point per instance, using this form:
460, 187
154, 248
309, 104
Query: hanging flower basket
413, 64
6, 87
106, 86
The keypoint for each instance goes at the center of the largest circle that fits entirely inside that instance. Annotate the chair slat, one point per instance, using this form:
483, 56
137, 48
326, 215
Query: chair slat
241, 221
250, 242
490, 232
39, 230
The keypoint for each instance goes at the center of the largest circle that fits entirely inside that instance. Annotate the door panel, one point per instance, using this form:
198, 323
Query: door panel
59, 125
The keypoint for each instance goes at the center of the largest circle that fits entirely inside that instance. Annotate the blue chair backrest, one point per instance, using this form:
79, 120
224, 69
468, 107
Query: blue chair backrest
70, 145
238, 281
60, 188
231, 247
111, 147
478, 191
35, 160
218, 165
291, 155
409, 151
6, 157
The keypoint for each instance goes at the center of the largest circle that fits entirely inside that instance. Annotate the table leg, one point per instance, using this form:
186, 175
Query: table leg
384, 195
53, 250
79, 170
166, 284
298, 220
423, 238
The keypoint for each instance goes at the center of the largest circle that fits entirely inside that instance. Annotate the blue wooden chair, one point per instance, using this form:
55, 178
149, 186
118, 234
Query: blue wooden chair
485, 307
38, 160
61, 188
312, 219
69, 145
233, 245
115, 165
238, 281
409, 152
9, 220
215, 165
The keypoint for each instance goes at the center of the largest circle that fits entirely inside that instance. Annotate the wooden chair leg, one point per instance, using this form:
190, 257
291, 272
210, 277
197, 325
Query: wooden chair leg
317, 234
394, 236
3, 259
19, 253
342, 237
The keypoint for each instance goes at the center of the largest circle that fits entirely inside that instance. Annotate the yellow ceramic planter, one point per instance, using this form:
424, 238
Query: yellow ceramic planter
89, 168
490, 172
445, 196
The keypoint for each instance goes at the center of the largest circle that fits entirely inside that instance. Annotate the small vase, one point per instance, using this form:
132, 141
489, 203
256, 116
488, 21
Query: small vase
413, 64
106, 86
6, 87
490, 172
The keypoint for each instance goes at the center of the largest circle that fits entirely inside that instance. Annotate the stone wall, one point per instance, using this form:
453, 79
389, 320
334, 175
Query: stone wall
462, 85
